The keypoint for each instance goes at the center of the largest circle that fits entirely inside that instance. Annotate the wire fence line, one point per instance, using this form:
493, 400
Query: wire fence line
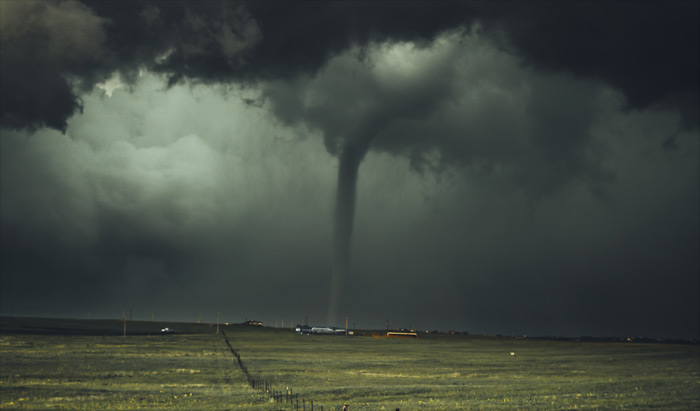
287, 396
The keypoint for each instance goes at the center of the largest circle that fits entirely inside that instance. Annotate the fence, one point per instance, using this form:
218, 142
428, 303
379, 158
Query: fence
298, 403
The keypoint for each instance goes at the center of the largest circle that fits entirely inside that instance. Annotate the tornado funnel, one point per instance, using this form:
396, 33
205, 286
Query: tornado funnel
348, 166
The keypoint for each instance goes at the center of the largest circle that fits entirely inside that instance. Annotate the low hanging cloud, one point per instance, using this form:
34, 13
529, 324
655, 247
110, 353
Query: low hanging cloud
43, 63
442, 105
651, 58
194, 190
645, 50
46, 67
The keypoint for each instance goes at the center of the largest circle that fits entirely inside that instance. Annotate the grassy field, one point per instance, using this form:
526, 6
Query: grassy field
465, 372
45, 366
189, 372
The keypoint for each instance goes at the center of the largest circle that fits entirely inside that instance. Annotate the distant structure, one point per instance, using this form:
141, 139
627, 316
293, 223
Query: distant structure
253, 323
307, 330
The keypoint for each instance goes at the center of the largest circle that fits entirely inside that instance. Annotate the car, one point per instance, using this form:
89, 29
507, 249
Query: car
167, 330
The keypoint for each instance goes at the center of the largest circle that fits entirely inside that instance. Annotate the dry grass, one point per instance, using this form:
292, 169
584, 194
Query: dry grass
197, 372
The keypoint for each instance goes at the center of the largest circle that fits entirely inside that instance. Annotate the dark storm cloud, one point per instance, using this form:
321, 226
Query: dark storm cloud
491, 255
43, 63
648, 50
206, 41
543, 201
54, 51
442, 105
141, 212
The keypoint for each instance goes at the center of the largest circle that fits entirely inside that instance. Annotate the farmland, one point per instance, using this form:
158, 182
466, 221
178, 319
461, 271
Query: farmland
90, 365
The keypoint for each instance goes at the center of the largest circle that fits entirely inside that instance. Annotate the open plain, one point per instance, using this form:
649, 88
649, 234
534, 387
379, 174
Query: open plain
70, 364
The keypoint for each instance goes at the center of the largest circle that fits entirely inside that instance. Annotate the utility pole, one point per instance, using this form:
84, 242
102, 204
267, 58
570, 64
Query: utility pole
217, 322
346, 325
124, 318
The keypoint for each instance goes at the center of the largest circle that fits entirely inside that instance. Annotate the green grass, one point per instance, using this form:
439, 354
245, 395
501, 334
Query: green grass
458, 372
193, 371
189, 372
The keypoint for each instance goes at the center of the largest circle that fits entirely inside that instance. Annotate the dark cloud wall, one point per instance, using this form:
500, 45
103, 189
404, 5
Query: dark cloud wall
444, 106
525, 168
131, 213
173, 213
513, 260
648, 50
43, 64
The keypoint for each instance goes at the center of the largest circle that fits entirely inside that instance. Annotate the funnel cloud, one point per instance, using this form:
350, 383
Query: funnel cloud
348, 166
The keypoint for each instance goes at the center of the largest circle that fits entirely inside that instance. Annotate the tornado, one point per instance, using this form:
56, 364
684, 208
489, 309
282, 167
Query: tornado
349, 163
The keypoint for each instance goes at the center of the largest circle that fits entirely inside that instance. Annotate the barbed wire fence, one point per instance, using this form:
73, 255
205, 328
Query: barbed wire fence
286, 396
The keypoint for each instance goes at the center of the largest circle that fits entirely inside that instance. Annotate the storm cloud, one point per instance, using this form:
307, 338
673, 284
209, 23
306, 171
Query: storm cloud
40, 58
504, 172
650, 57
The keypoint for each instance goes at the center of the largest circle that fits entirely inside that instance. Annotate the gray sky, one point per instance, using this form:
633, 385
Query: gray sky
516, 177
